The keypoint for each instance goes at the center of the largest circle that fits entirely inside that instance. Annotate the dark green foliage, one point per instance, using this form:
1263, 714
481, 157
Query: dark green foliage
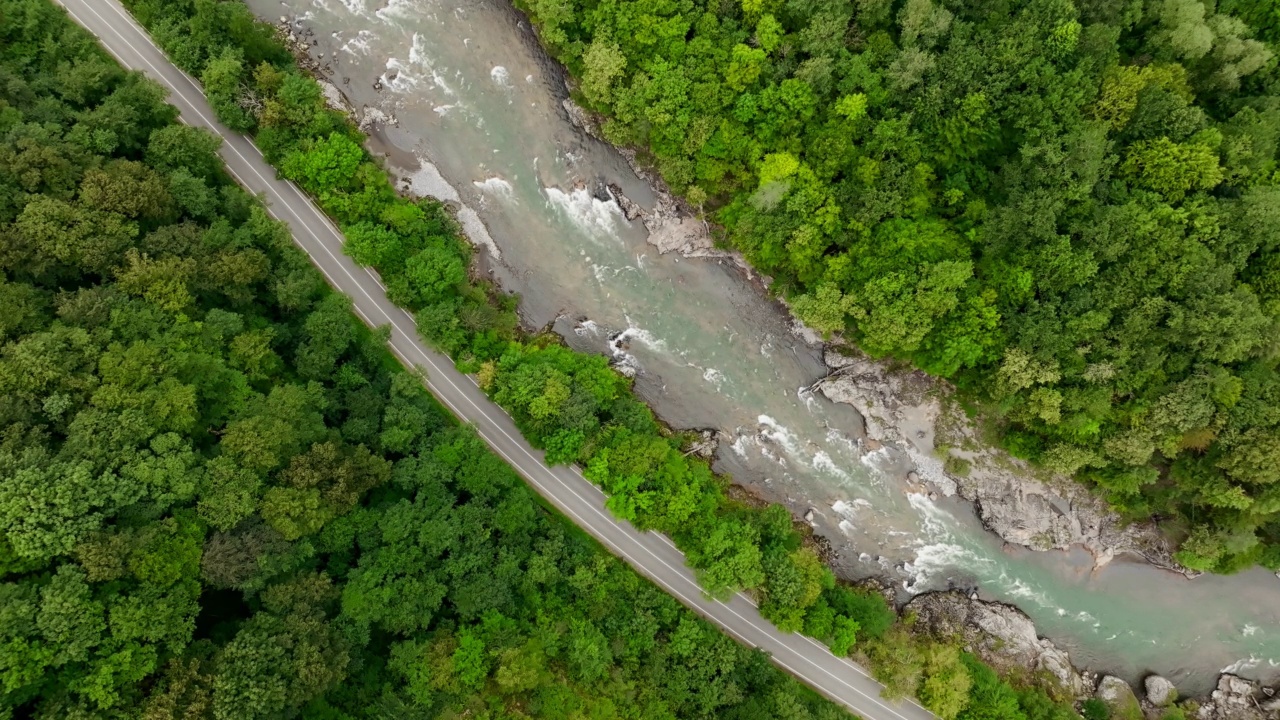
573, 405
482, 600
219, 498
1095, 709
1070, 210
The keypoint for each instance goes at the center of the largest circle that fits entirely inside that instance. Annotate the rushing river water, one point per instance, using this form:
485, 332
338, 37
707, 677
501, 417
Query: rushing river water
480, 123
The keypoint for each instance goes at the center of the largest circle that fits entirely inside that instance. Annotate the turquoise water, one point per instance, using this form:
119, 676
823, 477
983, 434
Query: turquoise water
480, 123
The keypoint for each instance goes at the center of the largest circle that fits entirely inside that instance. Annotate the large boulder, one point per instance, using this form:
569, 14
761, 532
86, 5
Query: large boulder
1119, 697
1160, 692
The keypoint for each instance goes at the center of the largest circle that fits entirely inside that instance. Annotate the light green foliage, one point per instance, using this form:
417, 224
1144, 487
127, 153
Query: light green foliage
769, 32
296, 422
324, 164
221, 80
826, 310
945, 690
853, 107
745, 65
602, 62
1172, 169
1047, 204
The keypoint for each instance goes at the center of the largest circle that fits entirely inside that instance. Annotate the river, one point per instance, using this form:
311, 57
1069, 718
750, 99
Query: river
479, 122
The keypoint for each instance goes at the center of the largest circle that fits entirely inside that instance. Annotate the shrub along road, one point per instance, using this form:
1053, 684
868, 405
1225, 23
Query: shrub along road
650, 553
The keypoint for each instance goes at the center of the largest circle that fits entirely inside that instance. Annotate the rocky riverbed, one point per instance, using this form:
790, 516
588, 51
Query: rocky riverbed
916, 415
905, 414
1004, 637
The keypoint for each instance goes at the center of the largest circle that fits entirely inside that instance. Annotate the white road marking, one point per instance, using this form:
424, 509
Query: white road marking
780, 639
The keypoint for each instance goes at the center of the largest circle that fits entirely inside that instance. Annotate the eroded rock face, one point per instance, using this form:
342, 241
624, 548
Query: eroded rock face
1000, 634
1236, 698
905, 409
1160, 692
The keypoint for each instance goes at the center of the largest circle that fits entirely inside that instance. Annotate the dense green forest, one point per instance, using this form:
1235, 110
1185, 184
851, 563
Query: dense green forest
220, 498
1068, 209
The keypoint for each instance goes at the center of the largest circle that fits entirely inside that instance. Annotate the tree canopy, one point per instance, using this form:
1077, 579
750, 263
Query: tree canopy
1067, 208
219, 495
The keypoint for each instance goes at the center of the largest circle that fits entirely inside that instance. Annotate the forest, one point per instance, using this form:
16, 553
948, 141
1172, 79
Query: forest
221, 498
1068, 209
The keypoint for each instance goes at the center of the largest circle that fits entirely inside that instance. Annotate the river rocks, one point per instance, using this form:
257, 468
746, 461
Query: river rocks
1024, 505
629, 207
1160, 692
1000, 634
705, 445
1236, 698
1118, 696
580, 118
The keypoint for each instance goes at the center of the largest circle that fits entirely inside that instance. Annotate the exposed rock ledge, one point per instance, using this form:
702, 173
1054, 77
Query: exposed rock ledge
1004, 637
1019, 503
909, 411
672, 224
1000, 634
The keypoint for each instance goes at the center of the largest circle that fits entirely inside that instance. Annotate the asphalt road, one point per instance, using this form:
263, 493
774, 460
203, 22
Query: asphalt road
652, 554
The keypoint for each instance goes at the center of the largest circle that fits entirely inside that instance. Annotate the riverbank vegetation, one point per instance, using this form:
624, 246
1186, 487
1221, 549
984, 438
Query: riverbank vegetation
1068, 209
219, 495
501, 631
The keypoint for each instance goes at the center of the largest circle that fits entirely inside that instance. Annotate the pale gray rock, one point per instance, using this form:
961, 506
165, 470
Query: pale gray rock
1000, 634
1235, 698
1160, 692
1118, 696
903, 409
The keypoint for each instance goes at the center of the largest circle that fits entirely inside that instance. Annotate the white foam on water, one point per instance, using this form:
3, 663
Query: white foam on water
405, 82
837, 437
1249, 630
622, 358
713, 376
765, 451
878, 458
400, 9
443, 110
739, 446
500, 76
596, 218
846, 527
780, 435
359, 45
642, 336
355, 7
939, 555
495, 185
823, 461
1243, 666
587, 327
412, 74
604, 273
805, 394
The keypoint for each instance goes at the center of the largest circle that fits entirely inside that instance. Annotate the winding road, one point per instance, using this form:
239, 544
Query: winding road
652, 554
